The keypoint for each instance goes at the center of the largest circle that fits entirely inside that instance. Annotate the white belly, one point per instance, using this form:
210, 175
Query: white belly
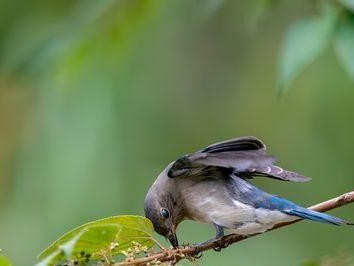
265, 220
240, 218
219, 209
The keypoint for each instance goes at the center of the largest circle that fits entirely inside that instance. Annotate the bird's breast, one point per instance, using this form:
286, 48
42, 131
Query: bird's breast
213, 205
209, 202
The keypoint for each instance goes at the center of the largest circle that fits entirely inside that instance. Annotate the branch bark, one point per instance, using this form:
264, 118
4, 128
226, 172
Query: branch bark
175, 255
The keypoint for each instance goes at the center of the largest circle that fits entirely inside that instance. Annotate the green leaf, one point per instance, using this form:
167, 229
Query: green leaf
4, 261
68, 247
348, 4
304, 42
49, 259
344, 45
97, 237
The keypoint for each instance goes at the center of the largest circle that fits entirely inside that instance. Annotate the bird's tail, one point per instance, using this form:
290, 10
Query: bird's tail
317, 216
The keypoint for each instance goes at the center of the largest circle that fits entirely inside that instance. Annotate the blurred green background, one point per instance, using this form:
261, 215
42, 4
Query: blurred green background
97, 97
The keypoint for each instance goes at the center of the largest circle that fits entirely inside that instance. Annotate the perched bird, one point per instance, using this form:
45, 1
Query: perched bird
211, 186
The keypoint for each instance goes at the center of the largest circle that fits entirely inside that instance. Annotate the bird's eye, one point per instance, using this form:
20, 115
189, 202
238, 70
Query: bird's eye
164, 213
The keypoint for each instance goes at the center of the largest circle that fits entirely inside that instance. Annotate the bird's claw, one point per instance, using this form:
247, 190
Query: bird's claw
225, 244
217, 248
221, 245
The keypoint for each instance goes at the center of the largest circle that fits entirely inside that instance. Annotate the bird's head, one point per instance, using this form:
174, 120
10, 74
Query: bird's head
165, 213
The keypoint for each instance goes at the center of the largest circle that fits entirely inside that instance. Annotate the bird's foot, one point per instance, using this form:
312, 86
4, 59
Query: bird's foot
197, 255
221, 245
199, 247
219, 238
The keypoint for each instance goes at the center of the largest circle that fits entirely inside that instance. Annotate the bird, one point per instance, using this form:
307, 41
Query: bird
213, 186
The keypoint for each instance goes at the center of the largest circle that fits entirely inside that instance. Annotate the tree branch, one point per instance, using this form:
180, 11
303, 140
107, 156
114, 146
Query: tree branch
175, 255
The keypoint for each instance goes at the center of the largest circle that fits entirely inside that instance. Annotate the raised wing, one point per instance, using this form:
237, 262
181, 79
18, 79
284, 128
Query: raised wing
238, 144
244, 156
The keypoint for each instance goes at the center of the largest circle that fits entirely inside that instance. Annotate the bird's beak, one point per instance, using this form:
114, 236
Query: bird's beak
173, 238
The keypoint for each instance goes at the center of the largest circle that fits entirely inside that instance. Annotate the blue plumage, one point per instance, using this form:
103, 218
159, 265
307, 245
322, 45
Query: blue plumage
243, 191
316, 216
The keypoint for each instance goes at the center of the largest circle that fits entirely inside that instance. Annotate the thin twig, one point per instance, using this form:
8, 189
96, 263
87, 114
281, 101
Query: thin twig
175, 255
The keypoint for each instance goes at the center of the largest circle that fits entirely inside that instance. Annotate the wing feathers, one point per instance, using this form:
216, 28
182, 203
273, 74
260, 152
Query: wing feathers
244, 156
277, 172
238, 144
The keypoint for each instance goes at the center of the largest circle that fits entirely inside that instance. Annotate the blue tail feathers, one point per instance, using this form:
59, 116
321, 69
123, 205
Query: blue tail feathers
261, 199
317, 216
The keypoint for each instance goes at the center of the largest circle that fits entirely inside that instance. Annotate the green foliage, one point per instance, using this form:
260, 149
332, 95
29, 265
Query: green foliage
344, 45
4, 261
100, 239
305, 41
50, 259
308, 38
348, 4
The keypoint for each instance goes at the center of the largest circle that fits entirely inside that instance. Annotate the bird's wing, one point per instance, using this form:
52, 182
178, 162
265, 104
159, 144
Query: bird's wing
237, 144
245, 156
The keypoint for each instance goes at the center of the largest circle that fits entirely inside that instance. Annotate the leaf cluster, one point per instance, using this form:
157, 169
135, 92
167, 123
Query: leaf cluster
123, 237
308, 38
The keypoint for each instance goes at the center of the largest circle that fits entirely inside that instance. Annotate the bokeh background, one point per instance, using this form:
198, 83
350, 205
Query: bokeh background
97, 97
